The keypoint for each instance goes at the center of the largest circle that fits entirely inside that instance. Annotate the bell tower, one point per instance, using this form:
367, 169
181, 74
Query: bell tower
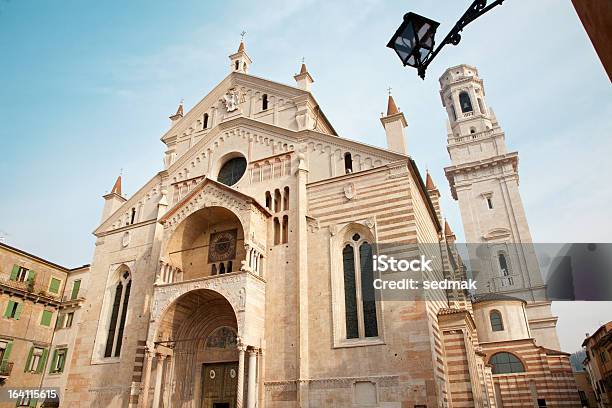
484, 179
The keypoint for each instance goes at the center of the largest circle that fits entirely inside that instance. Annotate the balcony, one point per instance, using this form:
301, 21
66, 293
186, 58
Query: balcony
5, 369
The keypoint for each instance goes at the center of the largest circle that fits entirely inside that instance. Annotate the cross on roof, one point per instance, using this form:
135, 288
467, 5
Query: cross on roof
242, 34
389, 90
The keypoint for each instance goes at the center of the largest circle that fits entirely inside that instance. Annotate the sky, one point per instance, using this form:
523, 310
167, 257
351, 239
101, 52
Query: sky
87, 88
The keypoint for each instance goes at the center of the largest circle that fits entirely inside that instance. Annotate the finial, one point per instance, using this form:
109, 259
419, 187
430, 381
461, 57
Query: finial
242, 34
302, 60
389, 90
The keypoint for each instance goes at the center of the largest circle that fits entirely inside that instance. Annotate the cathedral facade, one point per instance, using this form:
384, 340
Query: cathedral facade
240, 275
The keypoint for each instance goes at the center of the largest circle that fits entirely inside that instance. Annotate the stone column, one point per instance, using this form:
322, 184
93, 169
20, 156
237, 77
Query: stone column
146, 380
159, 371
252, 379
168, 378
240, 387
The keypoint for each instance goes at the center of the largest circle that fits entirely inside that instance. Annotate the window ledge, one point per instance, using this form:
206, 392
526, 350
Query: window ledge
106, 360
374, 341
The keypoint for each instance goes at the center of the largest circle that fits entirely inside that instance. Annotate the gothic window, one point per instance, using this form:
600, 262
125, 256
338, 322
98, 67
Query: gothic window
465, 102
503, 264
118, 315
359, 296
348, 163
264, 102
505, 363
205, 121
497, 323
232, 171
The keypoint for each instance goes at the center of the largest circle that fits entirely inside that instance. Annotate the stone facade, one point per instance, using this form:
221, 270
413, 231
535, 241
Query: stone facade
238, 276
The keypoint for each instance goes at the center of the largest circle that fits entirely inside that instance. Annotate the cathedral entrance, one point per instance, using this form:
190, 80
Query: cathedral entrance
219, 385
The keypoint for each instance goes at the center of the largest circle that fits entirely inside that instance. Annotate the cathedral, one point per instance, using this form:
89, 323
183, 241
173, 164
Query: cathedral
240, 275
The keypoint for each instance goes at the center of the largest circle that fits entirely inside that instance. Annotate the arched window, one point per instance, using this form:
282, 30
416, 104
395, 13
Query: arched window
268, 200
503, 264
264, 102
232, 171
359, 296
348, 163
118, 315
497, 324
277, 200
505, 363
286, 198
277, 231
285, 229
205, 121
465, 102
237, 65
472, 130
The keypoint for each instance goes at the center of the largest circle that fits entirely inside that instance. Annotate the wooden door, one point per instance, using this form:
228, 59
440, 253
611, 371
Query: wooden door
219, 385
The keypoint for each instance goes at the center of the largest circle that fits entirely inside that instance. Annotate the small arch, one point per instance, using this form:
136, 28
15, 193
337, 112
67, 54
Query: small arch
277, 231
348, 163
277, 200
472, 130
264, 102
268, 200
506, 363
465, 102
221, 268
237, 65
497, 323
205, 121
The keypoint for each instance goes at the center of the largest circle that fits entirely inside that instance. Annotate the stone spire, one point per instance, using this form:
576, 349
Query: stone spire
112, 200
117, 187
394, 123
178, 115
240, 61
303, 79
448, 232
429, 183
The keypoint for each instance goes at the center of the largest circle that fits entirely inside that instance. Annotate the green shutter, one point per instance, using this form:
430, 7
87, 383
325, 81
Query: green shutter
33, 403
18, 311
53, 361
9, 307
29, 360
14, 272
76, 285
59, 323
31, 279
46, 318
54, 285
7, 352
43, 361
61, 368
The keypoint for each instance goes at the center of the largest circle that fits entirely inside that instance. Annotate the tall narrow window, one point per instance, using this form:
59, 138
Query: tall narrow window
348, 163
350, 294
268, 200
465, 102
118, 316
368, 298
285, 229
133, 215
497, 324
503, 264
222, 268
237, 65
277, 200
214, 270
205, 121
286, 199
264, 102
277, 231
489, 202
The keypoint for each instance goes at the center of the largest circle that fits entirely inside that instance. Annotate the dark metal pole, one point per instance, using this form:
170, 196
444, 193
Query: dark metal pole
476, 9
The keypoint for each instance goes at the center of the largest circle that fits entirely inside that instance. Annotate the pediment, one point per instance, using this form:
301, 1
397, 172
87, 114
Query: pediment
208, 193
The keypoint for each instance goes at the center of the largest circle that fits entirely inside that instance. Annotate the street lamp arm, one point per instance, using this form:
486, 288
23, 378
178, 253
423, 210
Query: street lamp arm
476, 9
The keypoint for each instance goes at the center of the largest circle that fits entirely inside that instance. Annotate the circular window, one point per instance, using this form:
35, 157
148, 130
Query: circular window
232, 171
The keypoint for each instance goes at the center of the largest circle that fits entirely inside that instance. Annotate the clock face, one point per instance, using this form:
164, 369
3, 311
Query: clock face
222, 246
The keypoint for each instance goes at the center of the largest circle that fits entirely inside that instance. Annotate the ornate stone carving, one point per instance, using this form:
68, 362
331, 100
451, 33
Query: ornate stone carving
350, 191
230, 100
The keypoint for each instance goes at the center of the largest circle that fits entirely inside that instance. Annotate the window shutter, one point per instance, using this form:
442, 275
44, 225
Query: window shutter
18, 311
63, 362
53, 361
9, 307
59, 323
46, 318
54, 286
75, 289
31, 276
7, 352
42, 361
14, 272
33, 403
29, 360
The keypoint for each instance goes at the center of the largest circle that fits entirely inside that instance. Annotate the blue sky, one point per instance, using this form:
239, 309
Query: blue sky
87, 88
